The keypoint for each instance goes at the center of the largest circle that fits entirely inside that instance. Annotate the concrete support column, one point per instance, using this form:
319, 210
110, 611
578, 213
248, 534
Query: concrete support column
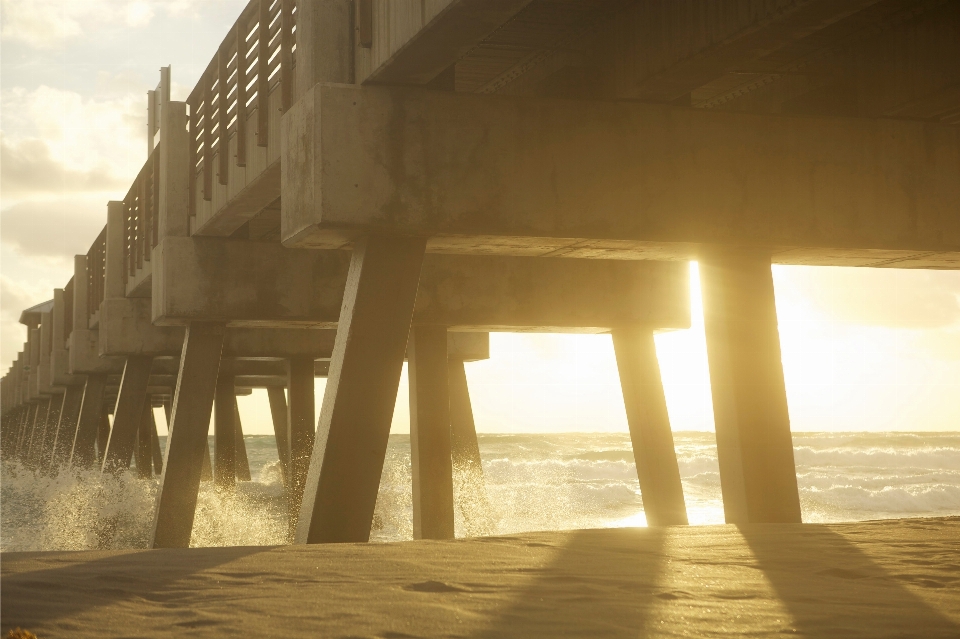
225, 433
128, 414
144, 452
649, 423
278, 410
103, 436
174, 204
83, 453
470, 495
754, 445
300, 417
243, 463
430, 433
49, 432
351, 442
186, 441
32, 452
155, 451
66, 428
324, 43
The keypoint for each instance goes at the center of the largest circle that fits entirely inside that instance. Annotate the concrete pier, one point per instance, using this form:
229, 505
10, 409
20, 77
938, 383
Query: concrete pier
187, 439
754, 446
128, 415
225, 432
649, 423
83, 453
344, 476
430, 451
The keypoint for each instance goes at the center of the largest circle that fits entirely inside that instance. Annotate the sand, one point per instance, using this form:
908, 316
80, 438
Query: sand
897, 578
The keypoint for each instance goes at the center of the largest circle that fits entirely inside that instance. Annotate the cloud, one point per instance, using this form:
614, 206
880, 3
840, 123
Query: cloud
53, 228
55, 142
895, 298
47, 24
28, 168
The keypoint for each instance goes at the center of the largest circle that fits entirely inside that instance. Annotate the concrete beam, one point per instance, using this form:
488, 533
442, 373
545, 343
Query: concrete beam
551, 177
262, 284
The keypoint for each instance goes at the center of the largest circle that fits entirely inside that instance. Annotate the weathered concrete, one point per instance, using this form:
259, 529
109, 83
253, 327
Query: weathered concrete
470, 495
145, 433
430, 453
754, 447
66, 428
83, 452
300, 425
506, 175
128, 414
187, 439
261, 284
243, 462
351, 441
225, 432
278, 410
649, 423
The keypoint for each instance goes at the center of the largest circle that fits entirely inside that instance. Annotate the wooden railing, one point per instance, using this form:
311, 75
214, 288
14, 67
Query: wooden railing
96, 273
255, 58
141, 217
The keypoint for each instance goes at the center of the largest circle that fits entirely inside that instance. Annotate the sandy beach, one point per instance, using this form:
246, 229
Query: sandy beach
895, 578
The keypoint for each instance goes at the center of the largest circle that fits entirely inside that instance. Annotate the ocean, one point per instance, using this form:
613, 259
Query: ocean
531, 482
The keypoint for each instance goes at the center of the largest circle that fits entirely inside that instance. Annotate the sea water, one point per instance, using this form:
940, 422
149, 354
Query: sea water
530, 482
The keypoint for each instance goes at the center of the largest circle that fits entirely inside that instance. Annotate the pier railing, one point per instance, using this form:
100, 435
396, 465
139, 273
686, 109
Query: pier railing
96, 276
256, 58
141, 217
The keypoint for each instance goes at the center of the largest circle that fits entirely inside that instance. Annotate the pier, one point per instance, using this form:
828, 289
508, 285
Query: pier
352, 185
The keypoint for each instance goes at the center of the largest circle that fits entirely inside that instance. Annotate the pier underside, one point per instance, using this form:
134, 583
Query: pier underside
872, 579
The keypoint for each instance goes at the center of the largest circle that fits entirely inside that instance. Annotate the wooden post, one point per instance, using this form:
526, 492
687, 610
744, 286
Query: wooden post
278, 410
189, 423
225, 433
470, 495
300, 377
243, 463
758, 477
145, 433
128, 414
83, 454
351, 442
66, 428
649, 423
430, 453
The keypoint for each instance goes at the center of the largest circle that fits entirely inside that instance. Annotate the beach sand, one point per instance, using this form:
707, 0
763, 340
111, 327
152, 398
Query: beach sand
895, 578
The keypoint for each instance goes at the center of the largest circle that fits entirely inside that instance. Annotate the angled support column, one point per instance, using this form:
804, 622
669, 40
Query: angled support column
84, 454
186, 441
128, 414
300, 417
145, 433
50, 432
243, 463
103, 435
66, 428
225, 433
155, 451
758, 478
470, 493
37, 433
649, 423
354, 426
430, 433
278, 410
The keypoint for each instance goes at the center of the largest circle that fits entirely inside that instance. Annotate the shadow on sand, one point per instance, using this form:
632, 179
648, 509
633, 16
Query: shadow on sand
34, 598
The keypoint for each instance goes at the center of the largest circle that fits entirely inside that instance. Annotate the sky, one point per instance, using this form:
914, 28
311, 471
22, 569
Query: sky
863, 349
